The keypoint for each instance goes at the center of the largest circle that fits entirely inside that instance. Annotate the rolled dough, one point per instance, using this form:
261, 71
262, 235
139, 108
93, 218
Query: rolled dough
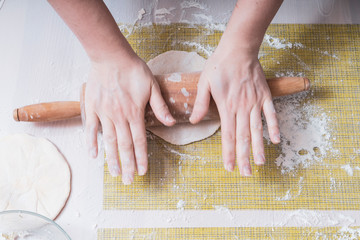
34, 175
180, 62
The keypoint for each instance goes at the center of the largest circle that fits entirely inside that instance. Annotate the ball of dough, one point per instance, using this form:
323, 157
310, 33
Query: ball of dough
34, 176
180, 62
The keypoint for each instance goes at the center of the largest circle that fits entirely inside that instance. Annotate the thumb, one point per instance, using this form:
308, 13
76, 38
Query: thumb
159, 106
202, 101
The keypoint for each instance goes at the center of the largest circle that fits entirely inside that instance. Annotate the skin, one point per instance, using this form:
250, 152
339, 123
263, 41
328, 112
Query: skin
234, 78
120, 85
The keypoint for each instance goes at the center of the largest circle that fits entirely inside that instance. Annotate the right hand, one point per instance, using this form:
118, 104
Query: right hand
116, 95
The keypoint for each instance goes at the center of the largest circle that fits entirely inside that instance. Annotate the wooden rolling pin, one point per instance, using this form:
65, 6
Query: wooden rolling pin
179, 92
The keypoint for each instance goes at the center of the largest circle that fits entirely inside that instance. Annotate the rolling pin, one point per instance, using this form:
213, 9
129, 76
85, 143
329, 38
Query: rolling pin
178, 90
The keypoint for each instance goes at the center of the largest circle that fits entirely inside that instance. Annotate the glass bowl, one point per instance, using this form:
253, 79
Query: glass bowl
24, 225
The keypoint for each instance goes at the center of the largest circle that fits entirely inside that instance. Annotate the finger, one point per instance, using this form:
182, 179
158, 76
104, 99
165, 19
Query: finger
159, 106
243, 143
202, 101
110, 143
91, 130
271, 120
257, 136
126, 150
228, 139
139, 139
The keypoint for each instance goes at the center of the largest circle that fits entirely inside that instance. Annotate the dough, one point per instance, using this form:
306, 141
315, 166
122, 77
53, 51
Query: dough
180, 61
34, 175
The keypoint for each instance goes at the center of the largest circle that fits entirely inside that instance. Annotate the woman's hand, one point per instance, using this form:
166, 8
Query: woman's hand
236, 81
116, 95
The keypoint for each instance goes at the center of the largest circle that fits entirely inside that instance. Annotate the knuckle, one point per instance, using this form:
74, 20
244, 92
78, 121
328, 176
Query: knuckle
140, 141
135, 113
125, 146
244, 139
112, 162
228, 136
109, 138
257, 126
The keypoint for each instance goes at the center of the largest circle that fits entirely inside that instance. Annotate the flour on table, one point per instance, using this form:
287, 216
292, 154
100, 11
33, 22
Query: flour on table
34, 176
185, 133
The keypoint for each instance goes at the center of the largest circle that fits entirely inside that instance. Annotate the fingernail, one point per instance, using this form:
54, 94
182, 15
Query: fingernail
127, 179
92, 152
260, 159
192, 118
141, 170
229, 167
247, 171
169, 118
277, 138
114, 170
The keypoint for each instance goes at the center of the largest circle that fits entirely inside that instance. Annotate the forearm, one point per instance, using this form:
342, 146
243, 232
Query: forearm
94, 26
249, 22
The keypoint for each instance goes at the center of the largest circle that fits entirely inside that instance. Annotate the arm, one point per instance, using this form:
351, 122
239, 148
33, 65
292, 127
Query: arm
119, 86
235, 79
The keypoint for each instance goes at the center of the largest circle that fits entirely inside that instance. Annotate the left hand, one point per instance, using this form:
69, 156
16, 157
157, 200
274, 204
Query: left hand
236, 81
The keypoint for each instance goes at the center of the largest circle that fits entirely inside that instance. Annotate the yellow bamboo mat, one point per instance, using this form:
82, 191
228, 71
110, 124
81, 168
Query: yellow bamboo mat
329, 55
229, 233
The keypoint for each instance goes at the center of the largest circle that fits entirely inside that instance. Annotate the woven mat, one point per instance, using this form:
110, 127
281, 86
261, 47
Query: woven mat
227, 233
329, 55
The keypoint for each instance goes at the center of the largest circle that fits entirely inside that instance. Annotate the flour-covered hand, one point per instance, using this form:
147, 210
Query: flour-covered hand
116, 95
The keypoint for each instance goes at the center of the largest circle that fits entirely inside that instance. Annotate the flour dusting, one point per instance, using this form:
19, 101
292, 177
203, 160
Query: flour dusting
185, 92
141, 13
348, 169
276, 42
174, 77
305, 133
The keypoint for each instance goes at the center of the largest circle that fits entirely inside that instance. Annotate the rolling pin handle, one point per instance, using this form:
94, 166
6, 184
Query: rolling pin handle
16, 115
306, 84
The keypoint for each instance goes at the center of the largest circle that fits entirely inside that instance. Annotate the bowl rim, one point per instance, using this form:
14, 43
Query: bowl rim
38, 216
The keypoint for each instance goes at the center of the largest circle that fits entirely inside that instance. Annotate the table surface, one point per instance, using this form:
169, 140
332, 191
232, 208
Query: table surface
41, 60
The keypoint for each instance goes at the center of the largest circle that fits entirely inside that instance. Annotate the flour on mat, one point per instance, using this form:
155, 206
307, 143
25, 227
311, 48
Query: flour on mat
181, 204
305, 133
223, 209
192, 4
276, 42
349, 170
289, 195
141, 13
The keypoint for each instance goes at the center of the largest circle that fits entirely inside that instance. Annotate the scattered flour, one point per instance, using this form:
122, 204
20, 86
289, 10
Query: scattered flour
175, 77
192, 4
172, 100
185, 92
141, 13
286, 197
305, 133
311, 218
181, 204
276, 42
205, 49
163, 11
348, 169
223, 209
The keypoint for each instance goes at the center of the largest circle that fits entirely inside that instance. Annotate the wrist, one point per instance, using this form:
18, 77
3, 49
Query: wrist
235, 45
